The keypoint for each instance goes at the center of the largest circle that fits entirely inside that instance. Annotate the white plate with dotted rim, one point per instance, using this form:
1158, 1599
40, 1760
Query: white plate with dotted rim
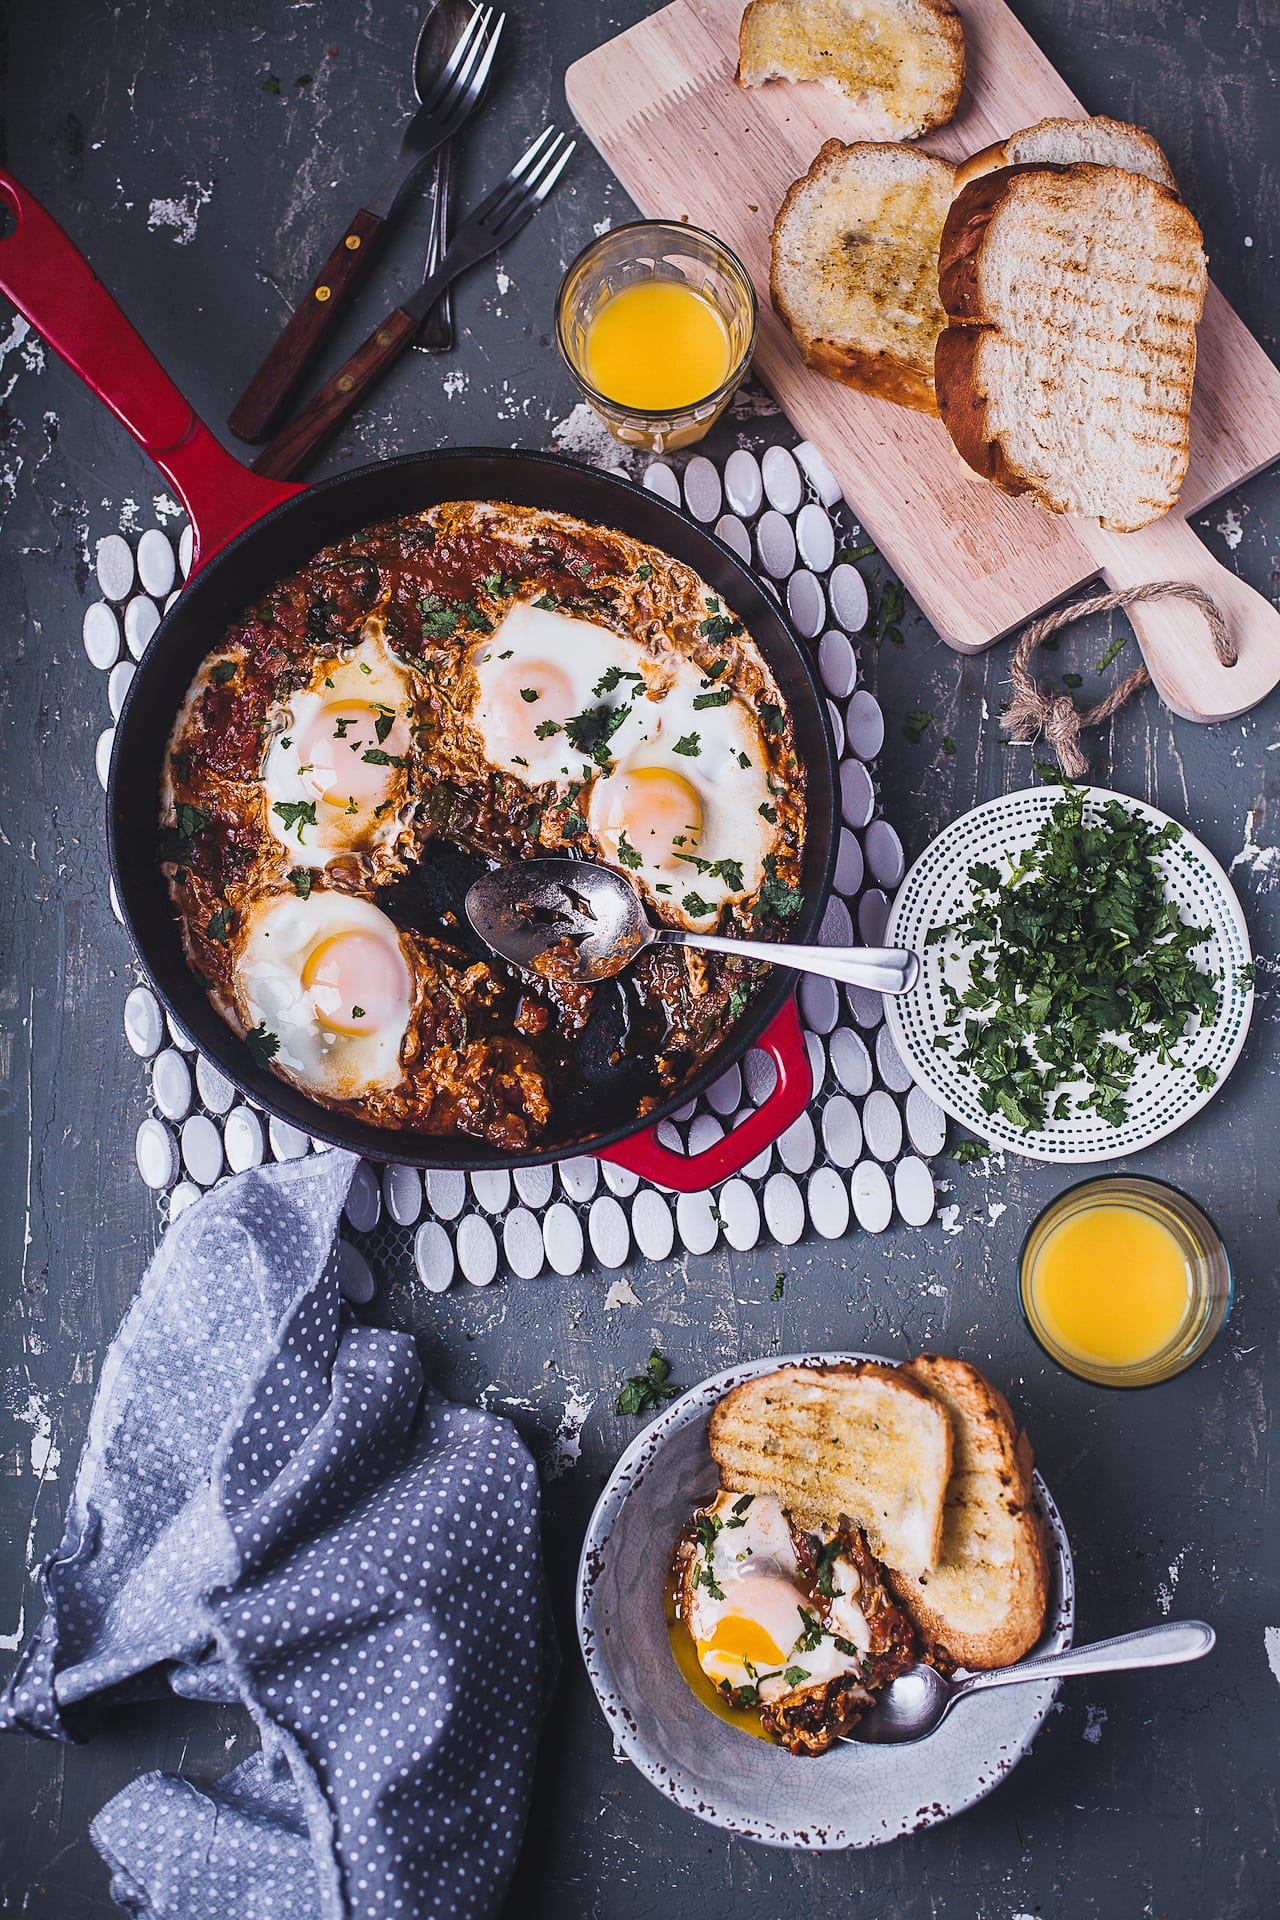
852, 1797
1161, 1098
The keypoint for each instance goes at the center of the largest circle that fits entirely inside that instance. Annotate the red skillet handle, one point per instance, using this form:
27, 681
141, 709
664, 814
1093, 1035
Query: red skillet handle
56, 289
644, 1154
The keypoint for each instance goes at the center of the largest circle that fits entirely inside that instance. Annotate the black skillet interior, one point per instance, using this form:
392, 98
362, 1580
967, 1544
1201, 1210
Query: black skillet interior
284, 540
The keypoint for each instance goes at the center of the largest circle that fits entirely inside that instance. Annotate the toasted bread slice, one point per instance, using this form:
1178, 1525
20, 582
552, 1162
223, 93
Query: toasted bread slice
1066, 370
983, 1605
901, 61
855, 267
1061, 143
858, 1442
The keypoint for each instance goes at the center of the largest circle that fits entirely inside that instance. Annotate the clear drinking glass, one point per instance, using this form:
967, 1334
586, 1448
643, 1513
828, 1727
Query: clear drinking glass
656, 250
1209, 1269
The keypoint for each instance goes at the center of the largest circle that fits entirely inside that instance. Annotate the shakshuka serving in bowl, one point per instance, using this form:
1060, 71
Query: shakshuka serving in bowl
472, 684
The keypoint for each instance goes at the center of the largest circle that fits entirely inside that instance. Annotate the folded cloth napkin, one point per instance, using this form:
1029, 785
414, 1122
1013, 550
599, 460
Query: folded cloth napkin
272, 1508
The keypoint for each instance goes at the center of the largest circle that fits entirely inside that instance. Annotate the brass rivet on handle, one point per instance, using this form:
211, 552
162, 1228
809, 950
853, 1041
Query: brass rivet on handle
384, 338
345, 384
353, 241
322, 293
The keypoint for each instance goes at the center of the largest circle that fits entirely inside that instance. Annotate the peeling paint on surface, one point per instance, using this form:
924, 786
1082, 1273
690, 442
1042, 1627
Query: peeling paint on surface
454, 383
45, 1456
1166, 1590
1230, 528
1095, 1721
181, 214
1261, 863
949, 1220
583, 435
1271, 1641
620, 1294
566, 1446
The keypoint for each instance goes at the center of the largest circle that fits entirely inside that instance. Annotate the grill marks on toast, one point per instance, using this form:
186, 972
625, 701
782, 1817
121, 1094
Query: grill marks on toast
1066, 370
861, 1442
902, 61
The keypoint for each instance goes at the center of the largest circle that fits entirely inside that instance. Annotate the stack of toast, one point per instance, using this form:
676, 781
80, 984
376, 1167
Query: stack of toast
927, 1461
1042, 297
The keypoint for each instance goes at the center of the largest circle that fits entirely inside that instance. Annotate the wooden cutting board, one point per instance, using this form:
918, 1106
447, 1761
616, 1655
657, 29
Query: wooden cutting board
661, 105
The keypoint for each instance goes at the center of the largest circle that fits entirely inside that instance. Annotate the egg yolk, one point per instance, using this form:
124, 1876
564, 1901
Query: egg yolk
517, 699
657, 810
333, 746
738, 1637
359, 984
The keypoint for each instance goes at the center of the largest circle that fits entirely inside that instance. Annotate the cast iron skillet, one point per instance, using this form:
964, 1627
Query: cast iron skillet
250, 533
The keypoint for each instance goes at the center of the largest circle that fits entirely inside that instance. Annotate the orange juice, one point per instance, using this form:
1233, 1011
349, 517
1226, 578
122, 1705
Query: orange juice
1112, 1286
657, 345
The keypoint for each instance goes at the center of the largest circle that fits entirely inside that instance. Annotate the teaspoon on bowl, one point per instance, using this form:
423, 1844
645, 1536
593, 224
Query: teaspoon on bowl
917, 1701
586, 922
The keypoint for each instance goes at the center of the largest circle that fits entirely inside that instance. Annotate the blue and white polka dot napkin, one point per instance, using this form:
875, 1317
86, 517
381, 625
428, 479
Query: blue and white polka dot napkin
273, 1508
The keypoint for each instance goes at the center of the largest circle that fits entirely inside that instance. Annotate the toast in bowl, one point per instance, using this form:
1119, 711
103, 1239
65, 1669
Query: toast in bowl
901, 61
983, 1604
861, 1442
1066, 367
854, 270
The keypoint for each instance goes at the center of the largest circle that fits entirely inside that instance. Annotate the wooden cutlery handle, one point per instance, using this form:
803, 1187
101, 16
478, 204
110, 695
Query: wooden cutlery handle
1172, 633
322, 416
263, 402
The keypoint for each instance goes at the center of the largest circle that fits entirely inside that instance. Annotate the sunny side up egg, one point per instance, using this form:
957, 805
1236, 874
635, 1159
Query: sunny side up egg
750, 1615
671, 773
329, 976
336, 776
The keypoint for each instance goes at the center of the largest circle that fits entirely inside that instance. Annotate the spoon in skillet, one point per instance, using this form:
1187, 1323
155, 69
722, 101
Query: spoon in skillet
584, 922
917, 1701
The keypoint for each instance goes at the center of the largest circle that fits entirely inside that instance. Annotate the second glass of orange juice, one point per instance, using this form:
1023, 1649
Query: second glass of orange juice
656, 322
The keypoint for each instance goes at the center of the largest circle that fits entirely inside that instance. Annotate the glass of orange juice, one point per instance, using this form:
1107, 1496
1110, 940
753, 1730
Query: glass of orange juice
1124, 1280
656, 322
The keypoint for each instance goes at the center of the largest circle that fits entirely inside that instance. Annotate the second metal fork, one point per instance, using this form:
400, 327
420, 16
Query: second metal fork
497, 219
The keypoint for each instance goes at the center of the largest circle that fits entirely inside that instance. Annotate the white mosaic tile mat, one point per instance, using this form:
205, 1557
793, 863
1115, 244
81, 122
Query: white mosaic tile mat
858, 1154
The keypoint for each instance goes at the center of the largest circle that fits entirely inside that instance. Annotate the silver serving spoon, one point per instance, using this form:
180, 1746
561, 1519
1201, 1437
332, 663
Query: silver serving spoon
596, 921
917, 1701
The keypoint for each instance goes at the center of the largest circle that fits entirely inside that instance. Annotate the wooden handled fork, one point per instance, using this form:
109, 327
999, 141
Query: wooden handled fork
495, 221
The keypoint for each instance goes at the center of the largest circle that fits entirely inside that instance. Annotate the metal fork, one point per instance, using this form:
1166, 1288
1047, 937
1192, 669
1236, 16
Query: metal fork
497, 219
453, 97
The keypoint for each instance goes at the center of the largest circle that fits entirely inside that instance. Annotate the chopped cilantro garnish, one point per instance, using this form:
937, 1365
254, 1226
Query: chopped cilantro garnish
738, 998
529, 693
948, 744
262, 1044
177, 841
699, 908
915, 724
220, 924
966, 1150
777, 900
301, 878
383, 722
223, 670
824, 1570
779, 1286
379, 757
357, 1013
1079, 967
644, 1392
811, 1637
688, 744
627, 853
610, 678
795, 1676
547, 604
644, 570
772, 718
545, 729
1073, 680
768, 811
1110, 654
720, 698
296, 813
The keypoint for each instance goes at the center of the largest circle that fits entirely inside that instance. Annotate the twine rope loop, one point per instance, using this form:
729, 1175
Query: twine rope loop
1035, 714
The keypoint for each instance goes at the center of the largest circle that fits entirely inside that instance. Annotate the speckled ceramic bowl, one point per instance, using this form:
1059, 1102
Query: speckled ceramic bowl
854, 1796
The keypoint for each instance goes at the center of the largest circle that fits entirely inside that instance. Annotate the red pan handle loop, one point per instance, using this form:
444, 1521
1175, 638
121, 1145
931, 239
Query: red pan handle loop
54, 287
644, 1154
